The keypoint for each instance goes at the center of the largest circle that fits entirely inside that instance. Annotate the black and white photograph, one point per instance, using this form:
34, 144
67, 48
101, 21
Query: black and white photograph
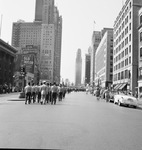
71, 74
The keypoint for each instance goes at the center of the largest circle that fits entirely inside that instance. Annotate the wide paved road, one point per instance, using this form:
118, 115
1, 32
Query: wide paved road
79, 122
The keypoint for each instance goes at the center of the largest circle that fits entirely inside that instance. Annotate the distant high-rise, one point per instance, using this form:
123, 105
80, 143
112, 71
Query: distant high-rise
38, 10
44, 11
78, 68
46, 33
104, 60
87, 66
96, 38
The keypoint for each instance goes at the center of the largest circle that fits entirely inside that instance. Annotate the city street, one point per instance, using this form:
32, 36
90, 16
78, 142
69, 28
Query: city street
79, 122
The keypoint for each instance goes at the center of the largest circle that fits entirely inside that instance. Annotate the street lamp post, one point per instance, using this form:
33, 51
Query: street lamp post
23, 74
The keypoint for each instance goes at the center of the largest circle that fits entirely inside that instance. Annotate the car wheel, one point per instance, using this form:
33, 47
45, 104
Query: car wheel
135, 107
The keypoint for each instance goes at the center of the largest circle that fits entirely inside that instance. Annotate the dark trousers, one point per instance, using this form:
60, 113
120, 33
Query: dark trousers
28, 97
60, 96
54, 97
64, 93
50, 96
47, 97
33, 96
39, 96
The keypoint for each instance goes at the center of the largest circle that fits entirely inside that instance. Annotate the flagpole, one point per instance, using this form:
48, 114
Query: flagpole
94, 25
1, 25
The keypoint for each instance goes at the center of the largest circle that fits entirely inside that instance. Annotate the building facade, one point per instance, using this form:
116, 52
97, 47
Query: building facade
96, 38
78, 68
125, 70
7, 63
104, 60
46, 33
58, 46
87, 66
140, 54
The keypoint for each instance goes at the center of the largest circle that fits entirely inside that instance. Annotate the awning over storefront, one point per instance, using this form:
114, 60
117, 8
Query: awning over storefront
122, 86
119, 86
116, 86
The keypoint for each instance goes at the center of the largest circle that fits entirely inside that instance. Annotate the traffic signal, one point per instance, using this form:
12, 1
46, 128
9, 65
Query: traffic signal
23, 70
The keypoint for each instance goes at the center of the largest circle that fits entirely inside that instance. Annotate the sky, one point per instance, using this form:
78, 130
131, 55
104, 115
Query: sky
80, 19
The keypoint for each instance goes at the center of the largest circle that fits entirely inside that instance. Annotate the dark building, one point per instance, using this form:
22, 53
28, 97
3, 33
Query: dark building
7, 57
87, 68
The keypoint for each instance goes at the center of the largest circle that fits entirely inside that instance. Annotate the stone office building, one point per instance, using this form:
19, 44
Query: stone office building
125, 53
7, 56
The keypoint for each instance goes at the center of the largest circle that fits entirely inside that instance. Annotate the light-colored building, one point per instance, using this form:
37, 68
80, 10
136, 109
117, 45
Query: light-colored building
104, 60
45, 32
96, 38
78, 68
58, 44
125, 70
26, 33
140, 53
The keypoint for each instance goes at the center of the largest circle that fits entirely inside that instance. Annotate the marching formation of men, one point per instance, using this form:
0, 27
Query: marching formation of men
44, 93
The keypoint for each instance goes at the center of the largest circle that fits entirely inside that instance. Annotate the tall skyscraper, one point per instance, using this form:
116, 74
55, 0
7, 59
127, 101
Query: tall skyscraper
78, 68
96, 38
44, 11
46, 33
38, 10
104, 60
87, 66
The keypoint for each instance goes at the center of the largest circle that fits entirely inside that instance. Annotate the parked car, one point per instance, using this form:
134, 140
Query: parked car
126, 100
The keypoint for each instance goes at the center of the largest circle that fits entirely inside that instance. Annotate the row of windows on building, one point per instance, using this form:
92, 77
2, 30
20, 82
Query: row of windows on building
123, 25
121, 46
123, 63
125, 12
122, 54
121, 75
25, 35
122, 35
28, 42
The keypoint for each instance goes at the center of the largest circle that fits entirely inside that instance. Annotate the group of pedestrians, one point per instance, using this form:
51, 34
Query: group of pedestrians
100, 93
44, 93
5, 88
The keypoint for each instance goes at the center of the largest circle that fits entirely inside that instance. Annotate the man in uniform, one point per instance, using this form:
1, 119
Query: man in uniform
28, 93
43, 93
54, 90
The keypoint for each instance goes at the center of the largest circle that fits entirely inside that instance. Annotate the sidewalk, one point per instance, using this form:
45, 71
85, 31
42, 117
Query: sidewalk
10, 96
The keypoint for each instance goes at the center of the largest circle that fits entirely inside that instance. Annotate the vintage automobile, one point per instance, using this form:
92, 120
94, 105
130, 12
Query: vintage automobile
125, 100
